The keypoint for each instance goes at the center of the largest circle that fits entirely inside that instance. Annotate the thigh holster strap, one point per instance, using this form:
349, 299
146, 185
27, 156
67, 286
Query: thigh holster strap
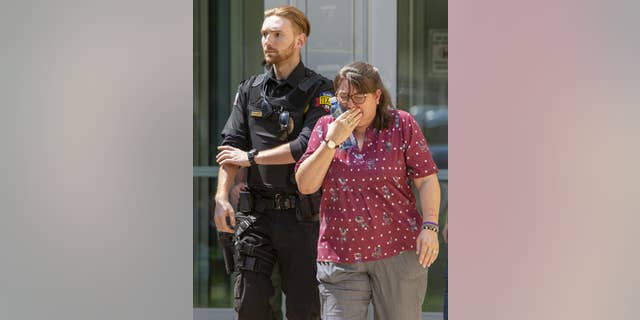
248, 257
255, 264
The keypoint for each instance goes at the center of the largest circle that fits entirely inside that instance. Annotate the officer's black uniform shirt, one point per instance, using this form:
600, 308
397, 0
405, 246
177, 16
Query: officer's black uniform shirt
255, 121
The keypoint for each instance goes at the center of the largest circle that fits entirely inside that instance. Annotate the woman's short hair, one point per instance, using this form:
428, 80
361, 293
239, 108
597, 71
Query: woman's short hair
294, 15
365, 78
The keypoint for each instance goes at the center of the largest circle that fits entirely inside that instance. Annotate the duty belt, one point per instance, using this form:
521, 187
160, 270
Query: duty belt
278, 201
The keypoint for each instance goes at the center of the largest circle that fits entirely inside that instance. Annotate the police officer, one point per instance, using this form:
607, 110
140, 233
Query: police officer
272, 119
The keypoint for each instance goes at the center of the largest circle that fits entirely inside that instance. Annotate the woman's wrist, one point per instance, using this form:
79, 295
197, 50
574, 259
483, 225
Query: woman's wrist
330, 138
330, 144
430, 225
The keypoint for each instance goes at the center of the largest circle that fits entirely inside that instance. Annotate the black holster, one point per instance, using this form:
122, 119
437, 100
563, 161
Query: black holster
245, 202
227, 246
308, 207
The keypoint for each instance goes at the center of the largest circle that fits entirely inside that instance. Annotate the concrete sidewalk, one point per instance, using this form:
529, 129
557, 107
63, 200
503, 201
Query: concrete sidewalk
227, 314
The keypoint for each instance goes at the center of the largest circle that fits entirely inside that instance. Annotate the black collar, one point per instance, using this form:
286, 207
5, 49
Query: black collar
295, 77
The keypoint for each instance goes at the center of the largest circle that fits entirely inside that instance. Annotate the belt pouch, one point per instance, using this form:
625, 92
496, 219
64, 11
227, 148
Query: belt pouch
245, 203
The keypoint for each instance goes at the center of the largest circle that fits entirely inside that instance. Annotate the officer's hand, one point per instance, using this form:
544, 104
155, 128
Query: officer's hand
340, 129
223, 210
233, 156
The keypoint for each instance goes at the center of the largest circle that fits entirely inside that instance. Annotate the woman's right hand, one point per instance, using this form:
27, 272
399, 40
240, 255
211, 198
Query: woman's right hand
340, 129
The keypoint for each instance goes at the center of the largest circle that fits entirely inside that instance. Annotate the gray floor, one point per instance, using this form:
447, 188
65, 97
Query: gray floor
227, 314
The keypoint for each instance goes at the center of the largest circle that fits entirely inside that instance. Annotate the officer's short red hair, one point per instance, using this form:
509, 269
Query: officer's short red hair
293, 14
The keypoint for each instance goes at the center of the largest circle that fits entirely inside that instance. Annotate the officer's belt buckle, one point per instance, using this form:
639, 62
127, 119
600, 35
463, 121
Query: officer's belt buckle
282, 203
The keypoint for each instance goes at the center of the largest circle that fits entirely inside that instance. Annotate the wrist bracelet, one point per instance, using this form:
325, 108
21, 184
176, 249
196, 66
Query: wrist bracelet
430, 226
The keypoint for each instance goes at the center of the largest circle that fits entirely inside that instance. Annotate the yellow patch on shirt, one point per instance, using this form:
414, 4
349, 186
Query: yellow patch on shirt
324, 100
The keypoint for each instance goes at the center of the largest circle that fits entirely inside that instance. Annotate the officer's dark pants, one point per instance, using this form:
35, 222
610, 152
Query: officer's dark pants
278, 234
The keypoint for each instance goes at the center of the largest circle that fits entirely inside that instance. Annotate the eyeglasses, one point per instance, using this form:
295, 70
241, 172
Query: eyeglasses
357, 98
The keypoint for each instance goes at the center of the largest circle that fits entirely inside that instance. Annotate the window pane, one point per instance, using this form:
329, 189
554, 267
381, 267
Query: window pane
226, 51
423, 91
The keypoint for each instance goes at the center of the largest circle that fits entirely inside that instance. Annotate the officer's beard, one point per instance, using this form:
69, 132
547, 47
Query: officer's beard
280, 57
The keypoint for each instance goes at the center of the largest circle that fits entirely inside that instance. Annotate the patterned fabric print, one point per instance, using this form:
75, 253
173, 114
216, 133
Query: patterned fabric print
343, 184
377, 252
368, 210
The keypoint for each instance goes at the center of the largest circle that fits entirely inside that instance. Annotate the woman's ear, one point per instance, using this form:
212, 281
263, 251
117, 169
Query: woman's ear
378, 94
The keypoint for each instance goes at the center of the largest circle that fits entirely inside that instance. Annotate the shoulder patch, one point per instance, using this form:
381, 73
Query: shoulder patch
324, 100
